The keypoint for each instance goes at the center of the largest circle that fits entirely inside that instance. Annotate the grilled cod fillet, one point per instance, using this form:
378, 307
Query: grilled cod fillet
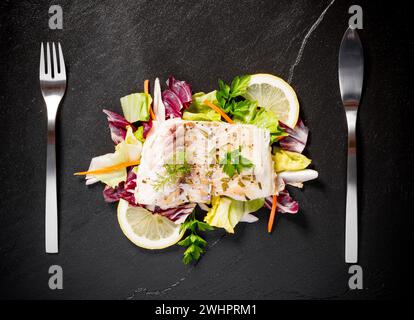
204, 145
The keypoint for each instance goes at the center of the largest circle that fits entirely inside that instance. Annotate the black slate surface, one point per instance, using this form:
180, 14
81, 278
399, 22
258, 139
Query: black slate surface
109, 48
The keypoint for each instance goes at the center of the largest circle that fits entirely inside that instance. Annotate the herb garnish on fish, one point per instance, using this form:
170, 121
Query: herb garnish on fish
174, 171
234, 162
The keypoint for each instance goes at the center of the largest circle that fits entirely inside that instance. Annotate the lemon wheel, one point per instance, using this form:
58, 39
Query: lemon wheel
146, 229
275, 94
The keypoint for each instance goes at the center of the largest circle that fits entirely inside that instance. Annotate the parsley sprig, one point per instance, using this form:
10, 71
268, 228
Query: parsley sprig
230, 99
194, 243
227, 94
234, 162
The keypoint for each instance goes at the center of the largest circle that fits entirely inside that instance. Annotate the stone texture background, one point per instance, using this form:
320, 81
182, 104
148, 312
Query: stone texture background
110, 47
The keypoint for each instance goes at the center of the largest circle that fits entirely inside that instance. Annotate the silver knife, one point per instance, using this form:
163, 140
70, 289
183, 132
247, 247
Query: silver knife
351, 73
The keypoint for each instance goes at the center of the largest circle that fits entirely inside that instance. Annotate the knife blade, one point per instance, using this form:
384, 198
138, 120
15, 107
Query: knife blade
351, 73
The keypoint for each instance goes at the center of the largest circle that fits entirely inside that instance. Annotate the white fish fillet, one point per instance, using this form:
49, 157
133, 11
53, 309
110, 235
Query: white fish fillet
204, 144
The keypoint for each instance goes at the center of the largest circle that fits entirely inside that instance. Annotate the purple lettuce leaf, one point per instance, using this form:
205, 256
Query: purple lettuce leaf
125, 190
147, 127
117, 125
117, 134
296, 141
178, 214
182, 89
172, 103
285, 203
176, 98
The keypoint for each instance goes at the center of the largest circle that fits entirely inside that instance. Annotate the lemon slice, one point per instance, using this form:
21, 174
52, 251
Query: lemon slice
146, 229
275, 94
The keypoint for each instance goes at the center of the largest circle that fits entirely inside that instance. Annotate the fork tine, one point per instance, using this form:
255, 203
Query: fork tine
49, 67
55, 63
42, 61
61, 61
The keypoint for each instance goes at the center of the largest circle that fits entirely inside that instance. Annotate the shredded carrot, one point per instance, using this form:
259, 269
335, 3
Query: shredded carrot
108, 169
151, 113
146, 90
217, 109
146, 86
272, 214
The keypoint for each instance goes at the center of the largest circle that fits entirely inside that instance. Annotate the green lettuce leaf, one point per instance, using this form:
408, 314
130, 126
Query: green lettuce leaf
226, 213
136, 107
128, 150
253, 205
198, 111
268, 120
131, 147
112, 178
289, 161
139, 134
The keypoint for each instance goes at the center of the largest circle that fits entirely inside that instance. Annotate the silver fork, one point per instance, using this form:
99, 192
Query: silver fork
52, 75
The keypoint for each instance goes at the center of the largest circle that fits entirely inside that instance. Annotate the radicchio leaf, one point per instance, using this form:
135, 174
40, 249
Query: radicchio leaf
117, 125
285, 203
172, 103
178, 214
177, 97
296, 141
125, 190
147, 127
182, 89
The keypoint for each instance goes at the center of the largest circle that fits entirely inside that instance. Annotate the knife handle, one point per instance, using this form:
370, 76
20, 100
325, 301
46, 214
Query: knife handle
351, 219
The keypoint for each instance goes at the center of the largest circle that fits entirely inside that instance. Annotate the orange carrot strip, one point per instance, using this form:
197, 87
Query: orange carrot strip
146, 86
217, 109
272, 214
151, 113
108, 169
146, 90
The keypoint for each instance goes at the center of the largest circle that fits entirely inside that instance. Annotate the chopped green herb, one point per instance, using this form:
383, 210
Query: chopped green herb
241, 184
234, 162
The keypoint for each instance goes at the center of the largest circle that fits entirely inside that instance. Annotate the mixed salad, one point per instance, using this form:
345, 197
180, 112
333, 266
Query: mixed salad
230, 152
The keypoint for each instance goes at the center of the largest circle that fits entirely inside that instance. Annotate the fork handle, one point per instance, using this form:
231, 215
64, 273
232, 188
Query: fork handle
51, 214
351, 219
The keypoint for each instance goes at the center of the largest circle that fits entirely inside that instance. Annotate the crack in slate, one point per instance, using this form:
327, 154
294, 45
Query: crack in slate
305, 40
149, 292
